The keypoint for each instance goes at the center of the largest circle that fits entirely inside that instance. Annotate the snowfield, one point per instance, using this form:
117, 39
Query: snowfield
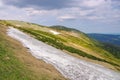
69, 66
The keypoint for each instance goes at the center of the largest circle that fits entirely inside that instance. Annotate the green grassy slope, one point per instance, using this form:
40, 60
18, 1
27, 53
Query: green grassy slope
10, 67
17, 64
72, 41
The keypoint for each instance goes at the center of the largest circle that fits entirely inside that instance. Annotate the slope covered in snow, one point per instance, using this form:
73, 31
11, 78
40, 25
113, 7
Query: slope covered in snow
70, 67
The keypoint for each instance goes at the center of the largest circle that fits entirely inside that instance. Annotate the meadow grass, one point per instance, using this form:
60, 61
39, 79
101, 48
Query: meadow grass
16, 63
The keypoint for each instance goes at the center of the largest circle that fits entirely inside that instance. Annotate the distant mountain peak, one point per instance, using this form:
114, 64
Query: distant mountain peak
60, 27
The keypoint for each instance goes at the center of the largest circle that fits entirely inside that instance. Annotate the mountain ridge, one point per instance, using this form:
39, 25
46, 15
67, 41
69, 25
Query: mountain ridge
106, 38
77, 44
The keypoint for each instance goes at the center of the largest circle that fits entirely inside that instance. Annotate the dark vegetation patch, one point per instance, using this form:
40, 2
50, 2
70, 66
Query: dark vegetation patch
57, 43
113, 49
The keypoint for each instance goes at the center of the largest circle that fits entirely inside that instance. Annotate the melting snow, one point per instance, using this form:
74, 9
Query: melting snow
18, 25
54, 32
69, 66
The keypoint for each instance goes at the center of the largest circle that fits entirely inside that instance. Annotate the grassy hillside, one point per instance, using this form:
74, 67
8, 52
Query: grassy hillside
16, 63
58, 27
71, 41
114, 50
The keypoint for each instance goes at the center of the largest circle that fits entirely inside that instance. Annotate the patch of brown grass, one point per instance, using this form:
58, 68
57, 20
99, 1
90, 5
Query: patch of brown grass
40, 69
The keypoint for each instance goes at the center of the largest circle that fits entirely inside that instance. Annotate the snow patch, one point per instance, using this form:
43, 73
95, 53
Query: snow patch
54, 32
18, 25
69, 66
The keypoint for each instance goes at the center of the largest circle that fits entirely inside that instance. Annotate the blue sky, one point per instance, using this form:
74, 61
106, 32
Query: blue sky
89, 16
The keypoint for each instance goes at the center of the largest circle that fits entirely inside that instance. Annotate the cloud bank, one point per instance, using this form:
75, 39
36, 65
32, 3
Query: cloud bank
106, 11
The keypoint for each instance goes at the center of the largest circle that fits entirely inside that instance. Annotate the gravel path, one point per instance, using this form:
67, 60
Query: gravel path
68, 66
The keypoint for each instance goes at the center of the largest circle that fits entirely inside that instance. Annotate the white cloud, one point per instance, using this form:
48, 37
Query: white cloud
12, 13
100, 10
95, 17
1, 4
40, 12
81, 9
66, 17
93, 3
33, 12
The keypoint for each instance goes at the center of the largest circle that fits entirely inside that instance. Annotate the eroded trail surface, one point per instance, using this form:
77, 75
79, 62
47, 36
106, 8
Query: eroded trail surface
69, 66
